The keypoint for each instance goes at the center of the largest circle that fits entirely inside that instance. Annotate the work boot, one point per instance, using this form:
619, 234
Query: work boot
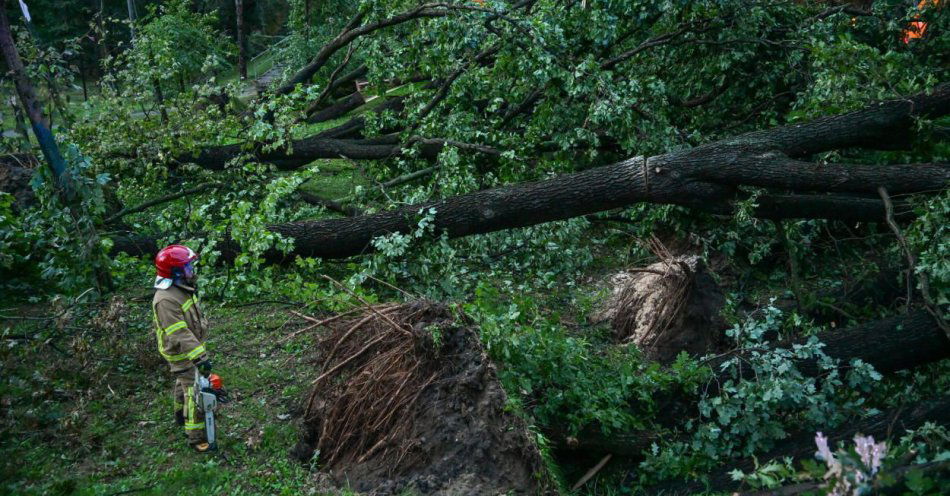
202, 447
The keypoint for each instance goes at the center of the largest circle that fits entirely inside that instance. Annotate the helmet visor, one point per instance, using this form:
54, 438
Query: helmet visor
188, 271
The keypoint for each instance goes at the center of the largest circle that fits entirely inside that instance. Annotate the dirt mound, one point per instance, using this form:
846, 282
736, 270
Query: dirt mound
407, 401
665, 308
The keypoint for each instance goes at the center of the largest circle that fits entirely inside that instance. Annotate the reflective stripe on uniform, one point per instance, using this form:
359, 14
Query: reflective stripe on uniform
191, 355
193, 427
195, 353
181, 324
186, 305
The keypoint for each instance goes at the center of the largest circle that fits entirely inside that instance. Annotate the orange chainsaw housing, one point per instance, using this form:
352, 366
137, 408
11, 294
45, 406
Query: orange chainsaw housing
216, 382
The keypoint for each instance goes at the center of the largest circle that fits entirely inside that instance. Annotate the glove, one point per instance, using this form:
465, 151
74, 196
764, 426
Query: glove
222, 395
204, 367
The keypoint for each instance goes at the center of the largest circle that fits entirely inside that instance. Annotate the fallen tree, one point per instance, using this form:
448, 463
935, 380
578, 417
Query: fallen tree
338, 108
801, 445
705, 178
889, 345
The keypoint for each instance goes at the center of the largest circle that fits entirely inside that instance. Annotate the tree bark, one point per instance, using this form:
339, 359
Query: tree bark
159, 99
704, 177
130, 4
347, 210
242, 54
567, 196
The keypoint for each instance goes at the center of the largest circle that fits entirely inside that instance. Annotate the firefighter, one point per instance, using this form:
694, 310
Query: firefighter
181, 331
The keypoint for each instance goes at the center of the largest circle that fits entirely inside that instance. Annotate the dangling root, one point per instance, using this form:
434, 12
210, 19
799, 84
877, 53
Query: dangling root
406, 401
375, 370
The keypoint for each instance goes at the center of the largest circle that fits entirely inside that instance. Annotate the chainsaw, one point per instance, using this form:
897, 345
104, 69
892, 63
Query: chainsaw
209, 392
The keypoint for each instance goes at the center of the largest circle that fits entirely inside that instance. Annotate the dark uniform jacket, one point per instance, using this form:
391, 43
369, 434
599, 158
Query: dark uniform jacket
179, 327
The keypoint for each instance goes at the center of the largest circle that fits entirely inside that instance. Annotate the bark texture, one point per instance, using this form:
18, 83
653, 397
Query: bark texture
704, 177
32, 106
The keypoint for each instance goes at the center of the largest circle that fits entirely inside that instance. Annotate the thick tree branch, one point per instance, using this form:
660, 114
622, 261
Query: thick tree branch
689, 178
352, 32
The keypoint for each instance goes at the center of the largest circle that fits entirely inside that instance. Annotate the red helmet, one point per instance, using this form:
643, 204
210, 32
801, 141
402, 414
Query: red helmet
172, 257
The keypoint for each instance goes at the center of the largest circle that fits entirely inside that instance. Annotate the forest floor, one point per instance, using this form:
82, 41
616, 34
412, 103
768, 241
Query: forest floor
92, 405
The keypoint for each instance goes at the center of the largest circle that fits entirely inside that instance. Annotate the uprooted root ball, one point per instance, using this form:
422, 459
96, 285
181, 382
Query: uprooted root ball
407, 400
665, 308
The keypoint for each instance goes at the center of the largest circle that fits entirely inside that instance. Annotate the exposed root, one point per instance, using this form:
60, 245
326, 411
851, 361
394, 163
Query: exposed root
404, 389
667, 307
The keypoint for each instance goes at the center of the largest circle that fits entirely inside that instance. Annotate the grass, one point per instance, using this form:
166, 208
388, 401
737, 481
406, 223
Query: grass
87, 408
337, 179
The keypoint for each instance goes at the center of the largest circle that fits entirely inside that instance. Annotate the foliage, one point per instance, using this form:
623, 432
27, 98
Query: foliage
530, 290
927, 237
565, 379
865, 467
55, 241
762, 399
174, 43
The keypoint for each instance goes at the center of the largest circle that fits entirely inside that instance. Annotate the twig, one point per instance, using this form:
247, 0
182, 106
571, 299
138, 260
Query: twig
592, 472
911, 262
390, 286
317, 323
162, 199
932, 308
261, 302
368, 306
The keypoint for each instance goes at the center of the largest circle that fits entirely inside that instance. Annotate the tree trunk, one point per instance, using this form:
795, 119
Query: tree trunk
890, 345
130, 4
159, 99
883, 426
338, 109
703, 177
32, 106
242, 53
564, 197
20, 125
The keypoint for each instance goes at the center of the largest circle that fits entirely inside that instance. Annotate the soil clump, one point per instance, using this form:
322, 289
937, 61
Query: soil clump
407, 400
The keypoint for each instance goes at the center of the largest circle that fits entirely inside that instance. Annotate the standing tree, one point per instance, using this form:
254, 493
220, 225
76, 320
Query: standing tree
32, 106
242, 51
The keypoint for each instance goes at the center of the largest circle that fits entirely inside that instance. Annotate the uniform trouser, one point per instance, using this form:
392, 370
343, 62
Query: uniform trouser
185, 402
